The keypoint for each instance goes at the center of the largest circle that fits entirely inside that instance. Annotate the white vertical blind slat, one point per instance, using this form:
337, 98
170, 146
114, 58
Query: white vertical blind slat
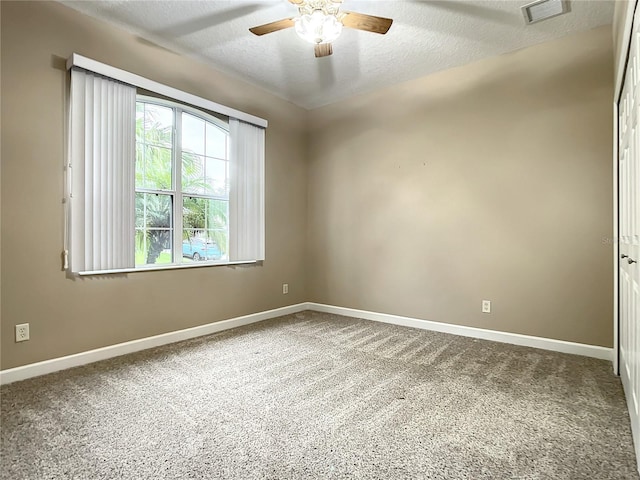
89, 167
102, 161
127, 193
112, 98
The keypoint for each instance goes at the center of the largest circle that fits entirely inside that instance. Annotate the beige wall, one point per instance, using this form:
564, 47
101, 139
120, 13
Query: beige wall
69, 316
489, 181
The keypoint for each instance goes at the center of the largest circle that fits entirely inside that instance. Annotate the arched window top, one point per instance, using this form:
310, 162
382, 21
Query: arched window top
220, 121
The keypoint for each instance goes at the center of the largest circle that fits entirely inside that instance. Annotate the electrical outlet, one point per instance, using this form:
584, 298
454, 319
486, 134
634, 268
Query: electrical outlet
486, 306
285, 288
22, 332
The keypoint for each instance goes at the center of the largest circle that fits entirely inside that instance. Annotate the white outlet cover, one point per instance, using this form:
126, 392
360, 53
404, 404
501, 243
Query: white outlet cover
22, 332
486, 306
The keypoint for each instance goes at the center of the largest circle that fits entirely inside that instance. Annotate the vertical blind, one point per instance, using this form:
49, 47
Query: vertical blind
101, 170
246, 195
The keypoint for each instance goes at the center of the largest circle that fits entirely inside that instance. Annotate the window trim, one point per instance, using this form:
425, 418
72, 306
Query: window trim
169, 266
76, 60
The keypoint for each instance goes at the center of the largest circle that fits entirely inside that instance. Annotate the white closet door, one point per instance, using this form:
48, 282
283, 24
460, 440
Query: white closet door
629, 232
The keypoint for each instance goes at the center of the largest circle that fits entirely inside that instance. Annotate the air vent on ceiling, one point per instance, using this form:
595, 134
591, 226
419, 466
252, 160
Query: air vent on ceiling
543, 9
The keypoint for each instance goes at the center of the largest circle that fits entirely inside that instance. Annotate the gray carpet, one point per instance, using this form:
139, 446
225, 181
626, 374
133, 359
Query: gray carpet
313, 395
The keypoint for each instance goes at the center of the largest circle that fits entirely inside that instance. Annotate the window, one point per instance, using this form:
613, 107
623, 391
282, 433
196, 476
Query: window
155, 183
181, 183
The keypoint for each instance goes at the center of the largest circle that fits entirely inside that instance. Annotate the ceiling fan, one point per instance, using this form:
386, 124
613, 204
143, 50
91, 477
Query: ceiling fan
320, 22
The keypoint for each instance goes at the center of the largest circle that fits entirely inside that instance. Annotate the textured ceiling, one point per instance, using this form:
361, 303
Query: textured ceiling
426, 36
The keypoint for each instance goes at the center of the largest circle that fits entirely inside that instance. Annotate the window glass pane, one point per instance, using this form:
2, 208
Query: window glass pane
215, 176
153, 167
193, 173
154, 229
140, 149
192, 134
154, 211
216, 141
139, 122
205, 228
158, 125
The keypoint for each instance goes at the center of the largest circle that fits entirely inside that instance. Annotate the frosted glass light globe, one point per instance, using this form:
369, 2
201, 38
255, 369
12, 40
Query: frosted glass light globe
318, 27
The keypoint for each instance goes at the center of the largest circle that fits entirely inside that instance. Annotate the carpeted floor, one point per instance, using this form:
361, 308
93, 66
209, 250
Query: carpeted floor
313, 395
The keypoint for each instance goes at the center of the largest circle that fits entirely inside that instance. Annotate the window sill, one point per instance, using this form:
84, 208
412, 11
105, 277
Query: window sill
174, 266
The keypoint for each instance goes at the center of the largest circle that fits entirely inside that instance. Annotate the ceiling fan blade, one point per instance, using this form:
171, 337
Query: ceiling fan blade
368, 23
323, 49
273, 26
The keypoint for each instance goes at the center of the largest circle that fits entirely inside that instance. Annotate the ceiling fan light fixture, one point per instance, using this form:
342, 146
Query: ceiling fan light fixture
318, 27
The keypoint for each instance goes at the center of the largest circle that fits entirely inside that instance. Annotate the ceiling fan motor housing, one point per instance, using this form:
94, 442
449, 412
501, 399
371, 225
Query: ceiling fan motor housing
328, 7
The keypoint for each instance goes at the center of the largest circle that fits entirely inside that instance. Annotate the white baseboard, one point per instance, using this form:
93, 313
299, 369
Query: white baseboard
594, 351
56, 364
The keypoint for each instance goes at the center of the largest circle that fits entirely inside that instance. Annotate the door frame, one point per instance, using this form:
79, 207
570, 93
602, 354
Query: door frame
621, 63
